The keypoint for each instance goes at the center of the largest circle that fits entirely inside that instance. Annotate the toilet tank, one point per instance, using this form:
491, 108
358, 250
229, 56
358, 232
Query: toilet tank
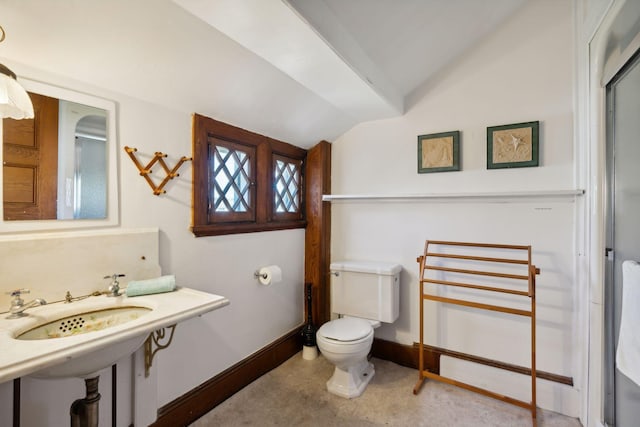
366, 289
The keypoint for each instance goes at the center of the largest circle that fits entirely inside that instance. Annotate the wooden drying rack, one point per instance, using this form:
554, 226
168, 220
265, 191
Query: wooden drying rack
145, 171
458, 252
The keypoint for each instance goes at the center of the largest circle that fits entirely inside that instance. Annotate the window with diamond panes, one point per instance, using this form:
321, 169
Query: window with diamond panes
287, 187
231, 181
244, 182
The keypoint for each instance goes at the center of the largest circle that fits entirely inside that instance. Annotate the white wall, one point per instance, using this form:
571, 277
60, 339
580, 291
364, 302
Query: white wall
522, 72
148, 63
156, 51
222, 265
150, 121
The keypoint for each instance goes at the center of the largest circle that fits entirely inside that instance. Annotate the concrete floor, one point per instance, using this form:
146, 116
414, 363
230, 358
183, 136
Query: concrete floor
294, 394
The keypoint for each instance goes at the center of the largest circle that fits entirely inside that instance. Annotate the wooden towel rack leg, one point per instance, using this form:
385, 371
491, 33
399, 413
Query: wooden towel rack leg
457, 252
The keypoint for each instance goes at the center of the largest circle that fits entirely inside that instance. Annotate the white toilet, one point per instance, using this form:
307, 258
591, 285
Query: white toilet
363, 294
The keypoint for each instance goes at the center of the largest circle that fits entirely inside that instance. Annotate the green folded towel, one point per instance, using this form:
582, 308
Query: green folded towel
151, 286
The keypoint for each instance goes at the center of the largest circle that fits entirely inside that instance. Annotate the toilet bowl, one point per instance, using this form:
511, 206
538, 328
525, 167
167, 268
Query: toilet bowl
346, 343
363, 294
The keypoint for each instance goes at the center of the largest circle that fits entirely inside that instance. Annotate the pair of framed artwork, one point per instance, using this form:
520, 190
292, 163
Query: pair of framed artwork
508, 146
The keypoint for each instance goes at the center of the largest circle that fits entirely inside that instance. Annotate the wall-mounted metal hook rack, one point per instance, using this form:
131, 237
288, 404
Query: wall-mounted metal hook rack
145, 171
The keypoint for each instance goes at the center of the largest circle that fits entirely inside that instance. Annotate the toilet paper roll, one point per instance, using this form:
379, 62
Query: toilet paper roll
270, 274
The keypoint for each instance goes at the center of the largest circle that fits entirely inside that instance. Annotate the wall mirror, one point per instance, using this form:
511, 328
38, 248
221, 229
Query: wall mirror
60, 169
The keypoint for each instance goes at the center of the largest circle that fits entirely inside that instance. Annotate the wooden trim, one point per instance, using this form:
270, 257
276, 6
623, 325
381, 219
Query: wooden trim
407, 355
263, 184
251, 152
197, 402
287, 150
262, 218
404, 355
318, 234
30, 148
299, 164
219, 230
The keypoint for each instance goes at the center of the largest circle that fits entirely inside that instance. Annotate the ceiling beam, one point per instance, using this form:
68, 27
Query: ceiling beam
275, 31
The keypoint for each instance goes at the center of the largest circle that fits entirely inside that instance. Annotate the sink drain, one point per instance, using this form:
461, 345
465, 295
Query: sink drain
70, 325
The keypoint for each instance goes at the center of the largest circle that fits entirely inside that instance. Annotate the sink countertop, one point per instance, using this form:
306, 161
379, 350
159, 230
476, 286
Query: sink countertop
23, 357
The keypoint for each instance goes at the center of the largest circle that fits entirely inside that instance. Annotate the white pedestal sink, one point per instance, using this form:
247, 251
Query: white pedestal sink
81, 338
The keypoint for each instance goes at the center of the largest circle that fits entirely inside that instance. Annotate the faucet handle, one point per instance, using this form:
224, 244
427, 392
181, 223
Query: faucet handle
114, 287
18, 292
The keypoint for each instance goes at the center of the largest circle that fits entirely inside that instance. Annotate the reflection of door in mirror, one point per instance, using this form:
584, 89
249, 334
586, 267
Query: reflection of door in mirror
55, 165
81, 186
30, 161
90, 170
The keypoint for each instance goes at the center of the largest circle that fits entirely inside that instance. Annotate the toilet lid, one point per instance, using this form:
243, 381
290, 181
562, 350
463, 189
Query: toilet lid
346, 329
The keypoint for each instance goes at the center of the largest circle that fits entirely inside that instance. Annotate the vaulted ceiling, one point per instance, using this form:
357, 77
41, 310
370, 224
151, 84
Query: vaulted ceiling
362, 56
296, 70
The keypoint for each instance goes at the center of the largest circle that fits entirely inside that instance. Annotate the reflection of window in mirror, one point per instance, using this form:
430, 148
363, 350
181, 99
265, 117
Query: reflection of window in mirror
55, 165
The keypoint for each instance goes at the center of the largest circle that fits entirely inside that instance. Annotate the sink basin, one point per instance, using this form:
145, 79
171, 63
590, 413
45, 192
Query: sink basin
88, 365
83, 323
83, 337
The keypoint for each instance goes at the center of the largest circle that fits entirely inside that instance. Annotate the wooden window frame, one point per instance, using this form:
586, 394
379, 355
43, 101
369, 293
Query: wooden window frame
234, 216
288, 216
206, 129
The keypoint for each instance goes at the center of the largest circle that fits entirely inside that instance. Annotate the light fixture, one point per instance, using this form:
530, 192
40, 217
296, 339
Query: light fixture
14, 100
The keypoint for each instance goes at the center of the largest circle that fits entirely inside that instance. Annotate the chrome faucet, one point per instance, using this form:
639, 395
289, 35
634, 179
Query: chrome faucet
18, 305
114, 287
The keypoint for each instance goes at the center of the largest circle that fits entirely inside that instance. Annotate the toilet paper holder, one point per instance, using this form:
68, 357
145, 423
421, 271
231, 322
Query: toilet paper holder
257, 275
269, 274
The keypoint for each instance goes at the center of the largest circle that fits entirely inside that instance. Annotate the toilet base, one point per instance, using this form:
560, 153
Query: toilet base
352, 382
